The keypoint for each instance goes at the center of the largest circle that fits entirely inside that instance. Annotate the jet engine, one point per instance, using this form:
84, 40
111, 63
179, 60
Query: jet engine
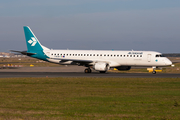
101, 66
123, 68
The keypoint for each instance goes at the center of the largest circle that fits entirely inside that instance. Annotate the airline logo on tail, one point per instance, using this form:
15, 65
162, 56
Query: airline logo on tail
32, 41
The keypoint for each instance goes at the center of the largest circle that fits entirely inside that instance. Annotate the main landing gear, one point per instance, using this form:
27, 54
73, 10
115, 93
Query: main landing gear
88, 70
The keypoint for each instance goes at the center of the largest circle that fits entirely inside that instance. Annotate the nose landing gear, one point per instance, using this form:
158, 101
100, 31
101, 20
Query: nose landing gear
154, 70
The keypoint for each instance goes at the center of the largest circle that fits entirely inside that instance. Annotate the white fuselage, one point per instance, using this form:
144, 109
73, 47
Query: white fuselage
113, 58
100, 61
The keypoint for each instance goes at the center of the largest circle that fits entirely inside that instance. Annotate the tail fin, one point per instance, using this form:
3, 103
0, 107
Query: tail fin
31, 41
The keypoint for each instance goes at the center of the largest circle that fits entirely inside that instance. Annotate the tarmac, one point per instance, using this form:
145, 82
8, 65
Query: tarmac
74, 71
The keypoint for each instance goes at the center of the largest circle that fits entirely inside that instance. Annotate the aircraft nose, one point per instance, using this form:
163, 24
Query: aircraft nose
168, 62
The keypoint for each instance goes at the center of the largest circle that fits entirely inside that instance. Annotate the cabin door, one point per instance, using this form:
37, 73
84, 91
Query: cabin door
149, 57
48, 54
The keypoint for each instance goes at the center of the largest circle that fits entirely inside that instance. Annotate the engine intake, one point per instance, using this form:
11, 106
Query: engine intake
101, 66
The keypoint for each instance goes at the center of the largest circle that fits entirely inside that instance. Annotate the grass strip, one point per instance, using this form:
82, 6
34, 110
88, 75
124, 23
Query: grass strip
90, 98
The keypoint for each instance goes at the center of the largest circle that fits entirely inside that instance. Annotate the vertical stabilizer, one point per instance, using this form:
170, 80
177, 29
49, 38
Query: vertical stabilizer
31, 41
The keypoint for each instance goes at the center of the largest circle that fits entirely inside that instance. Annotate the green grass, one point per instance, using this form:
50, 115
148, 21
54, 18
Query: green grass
90, 98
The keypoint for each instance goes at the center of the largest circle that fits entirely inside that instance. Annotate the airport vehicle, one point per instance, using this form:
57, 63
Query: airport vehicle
99, 60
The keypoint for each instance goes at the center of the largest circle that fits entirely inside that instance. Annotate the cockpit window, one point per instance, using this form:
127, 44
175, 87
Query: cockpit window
159, 55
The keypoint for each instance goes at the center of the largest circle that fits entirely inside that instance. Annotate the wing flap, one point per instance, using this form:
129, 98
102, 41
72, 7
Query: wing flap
74, 60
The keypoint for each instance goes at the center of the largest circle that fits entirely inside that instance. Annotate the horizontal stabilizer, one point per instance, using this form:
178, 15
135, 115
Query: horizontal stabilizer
23, 52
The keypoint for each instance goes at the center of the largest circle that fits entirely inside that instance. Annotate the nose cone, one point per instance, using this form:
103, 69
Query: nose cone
168, 62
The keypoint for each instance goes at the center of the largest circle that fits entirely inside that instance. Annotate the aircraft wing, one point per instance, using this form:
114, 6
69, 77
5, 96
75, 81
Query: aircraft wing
84, 62
74, 60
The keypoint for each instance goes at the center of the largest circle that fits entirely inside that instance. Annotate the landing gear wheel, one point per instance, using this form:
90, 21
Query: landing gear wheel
154, 72
88, 70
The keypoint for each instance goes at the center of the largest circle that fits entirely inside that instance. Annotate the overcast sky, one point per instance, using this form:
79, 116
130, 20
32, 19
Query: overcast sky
92, 24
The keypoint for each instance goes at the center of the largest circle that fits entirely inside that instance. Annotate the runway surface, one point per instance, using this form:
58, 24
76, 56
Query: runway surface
81, 74
74, 72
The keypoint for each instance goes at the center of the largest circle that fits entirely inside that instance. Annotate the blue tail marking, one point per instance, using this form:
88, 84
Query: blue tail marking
31, 41
33, 45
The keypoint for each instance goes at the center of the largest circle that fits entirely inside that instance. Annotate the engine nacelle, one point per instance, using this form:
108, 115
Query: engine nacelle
101, 66
123, 67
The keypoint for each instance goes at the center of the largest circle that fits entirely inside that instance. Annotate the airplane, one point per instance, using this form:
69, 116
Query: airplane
99, 60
